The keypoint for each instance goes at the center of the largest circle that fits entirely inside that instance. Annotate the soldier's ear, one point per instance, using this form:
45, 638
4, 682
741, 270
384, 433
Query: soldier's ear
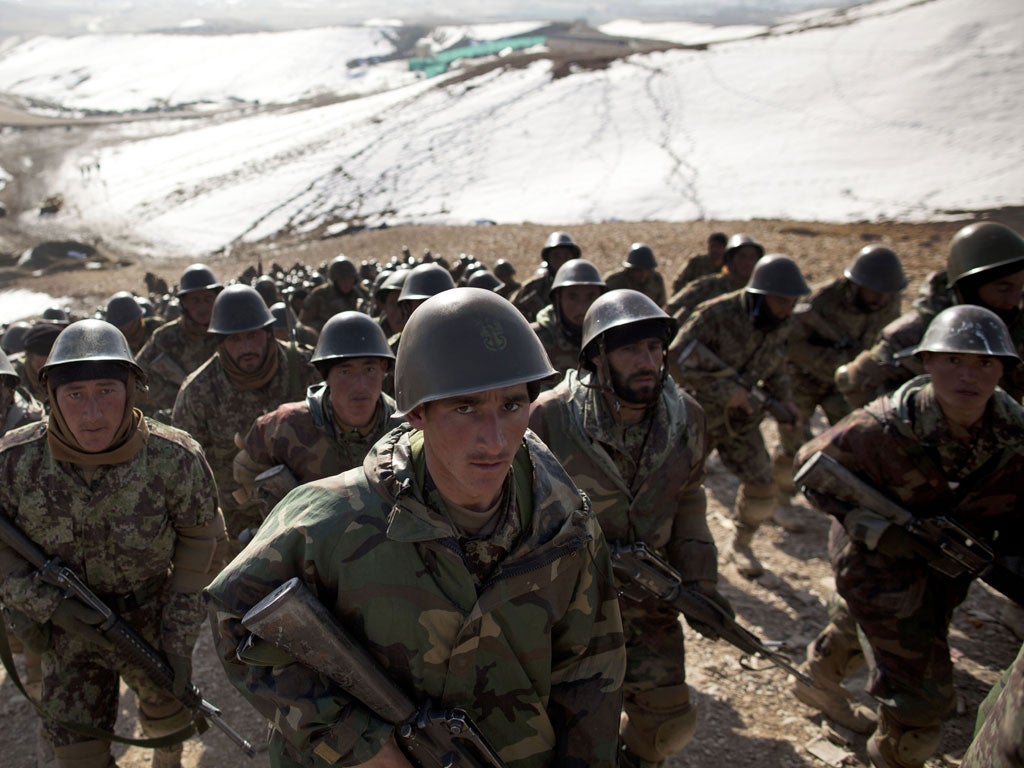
415, 417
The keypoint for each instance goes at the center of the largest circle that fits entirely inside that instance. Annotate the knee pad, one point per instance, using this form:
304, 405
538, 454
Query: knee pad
659, 723
163, 718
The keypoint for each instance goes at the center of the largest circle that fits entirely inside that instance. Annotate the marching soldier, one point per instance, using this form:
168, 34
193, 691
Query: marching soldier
17, 406
505, 271
559, 326
128, 316
533, 296
341, 293
741, 255
639, 272
709, 263
38, 342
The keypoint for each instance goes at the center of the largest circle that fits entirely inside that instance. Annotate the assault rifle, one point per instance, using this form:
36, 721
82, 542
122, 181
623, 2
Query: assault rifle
292, 619
642, 574
958, 551
129, 643
696, 349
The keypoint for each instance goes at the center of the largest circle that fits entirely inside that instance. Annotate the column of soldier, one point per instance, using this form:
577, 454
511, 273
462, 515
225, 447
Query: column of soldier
463, 475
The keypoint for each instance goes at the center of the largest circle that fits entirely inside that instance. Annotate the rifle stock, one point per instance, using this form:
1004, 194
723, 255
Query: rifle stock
292, 619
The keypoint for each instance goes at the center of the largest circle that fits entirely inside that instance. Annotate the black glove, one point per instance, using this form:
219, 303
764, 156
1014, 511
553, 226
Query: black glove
897, 542
79, 619
182, 668
713, 596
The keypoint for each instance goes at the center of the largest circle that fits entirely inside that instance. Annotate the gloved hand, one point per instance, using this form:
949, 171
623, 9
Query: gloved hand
182, 668
896, 542
79, 619
708, 591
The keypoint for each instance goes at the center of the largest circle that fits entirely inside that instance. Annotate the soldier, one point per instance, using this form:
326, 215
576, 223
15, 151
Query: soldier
999, 735
533, 296
639, 272
251, 374
267, 289
709, 263
332, 430
14, 337
38, 342
286, 325
341, 293
746, 333
636, 446
947, 443
839, 320
460, 554
506, 272
740, 257
17, 406
390, 318
484, 278
179, 347
559, 326
130, 505
127, 315
986, 268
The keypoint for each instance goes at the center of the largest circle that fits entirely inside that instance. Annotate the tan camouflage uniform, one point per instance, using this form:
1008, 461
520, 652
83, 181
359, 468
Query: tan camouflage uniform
562, 351
520, 628
999, 736
653, 286
173, 351
644, 481
324, 302
534, 295
685, 301
698, 266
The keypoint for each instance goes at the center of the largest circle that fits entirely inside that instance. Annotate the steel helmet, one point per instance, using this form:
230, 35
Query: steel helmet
424, 281
576, 272
980, 247
341, 267
350, 334
239, 309
777, 275
484, 278
8, 375
503, 270
878, 269
14, 337
266, 288
468, 340
392, 281
122, 309
559, 240
56, 314
640, 257
619, 308
738, 241
197, 277
968, 329
91, 341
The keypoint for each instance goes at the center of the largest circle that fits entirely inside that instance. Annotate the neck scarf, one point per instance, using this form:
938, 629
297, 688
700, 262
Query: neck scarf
257, 379
129, 439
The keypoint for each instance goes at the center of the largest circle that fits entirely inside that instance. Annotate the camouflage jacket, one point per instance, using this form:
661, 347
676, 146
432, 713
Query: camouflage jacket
213, 411
118, 532
901, 445
303, 437
891, 361
533, 296
999, 736
563, 352
23, 409
663, 503
508, 290
724, 327
29, 383
173, 351
830, 330
324, 302
653, 286
536, 656
685, 301
698, 266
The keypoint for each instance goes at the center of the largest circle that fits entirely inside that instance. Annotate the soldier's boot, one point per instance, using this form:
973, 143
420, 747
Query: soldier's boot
167, 757
162, 718
1012, 617
741, 554
660, 723
85, 754
755, 504
893, 745
831, 656
782, 473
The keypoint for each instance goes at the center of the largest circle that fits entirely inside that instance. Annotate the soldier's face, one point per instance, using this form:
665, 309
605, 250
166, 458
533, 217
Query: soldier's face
355, 386
873, 301
345, 284
93, 410
781, 307
556, 257
743, 261
247, 349
716, 250
1004, 294
575, 300
637, 276
471, 440
198, 305
963, 384
636, 370
391, 309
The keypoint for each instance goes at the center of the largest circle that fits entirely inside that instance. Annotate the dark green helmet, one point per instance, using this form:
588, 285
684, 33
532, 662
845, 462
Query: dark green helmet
266, 288
504, 270
56, 315
737, 241
424, 281
8, 375
777, 275
350, 334
559, 240
122, 309
877, 269
640, 256
342, 267
968, 329
197, 277
282, 314
468, 340
980, 247
14, 337
576, 272
484, 278
392, 281
239, 309
620, 309
91, 341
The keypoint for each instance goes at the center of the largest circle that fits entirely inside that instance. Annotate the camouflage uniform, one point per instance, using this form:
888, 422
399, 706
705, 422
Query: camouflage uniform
901, 445
126, 533
211, 409
29, 380
172, 353
303, 437
685, 301
562, 351
534, 295
17, 408
999, 736
654, 497
653, 286
698, 266
522, 629
507, 291
324, 302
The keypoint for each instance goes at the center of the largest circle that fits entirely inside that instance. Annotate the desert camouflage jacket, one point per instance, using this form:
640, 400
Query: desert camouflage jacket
830, 330
999, 737
563, 352
685, 301
696, 267
22, 409
533, 296
535, 655
118, 532
213, 410
662, 503
724, 327
303, 437
324, 302
173, 351
653, 286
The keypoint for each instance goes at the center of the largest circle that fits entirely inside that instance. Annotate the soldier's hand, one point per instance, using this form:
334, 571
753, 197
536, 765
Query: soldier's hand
78, 619
713, 595
740, 399
390, 756
181, 666
897, 542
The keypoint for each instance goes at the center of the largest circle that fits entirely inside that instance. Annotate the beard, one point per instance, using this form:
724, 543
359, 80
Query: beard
632, 390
